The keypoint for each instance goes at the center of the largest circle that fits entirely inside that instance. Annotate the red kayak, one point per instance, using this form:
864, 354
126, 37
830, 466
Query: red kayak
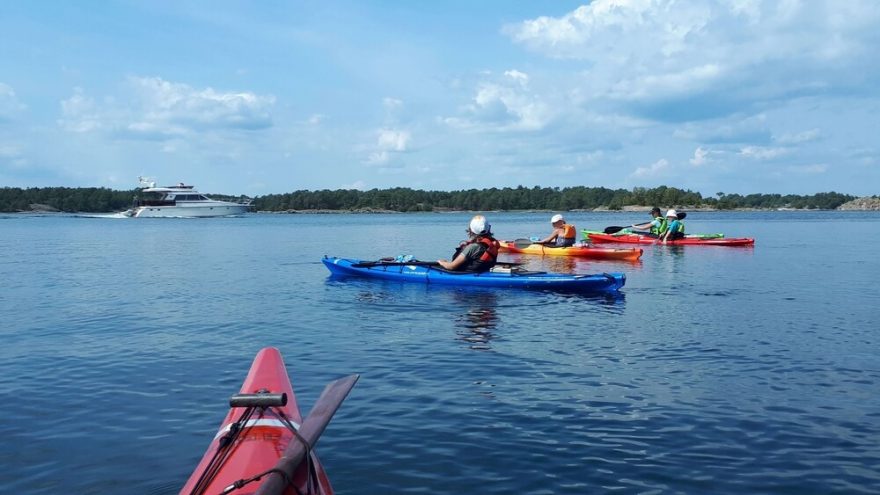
263, 445
628, 254
689, 241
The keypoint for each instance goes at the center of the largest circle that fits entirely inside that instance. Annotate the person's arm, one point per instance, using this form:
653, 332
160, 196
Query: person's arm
669, 229
552, 237
643, 226
459, 260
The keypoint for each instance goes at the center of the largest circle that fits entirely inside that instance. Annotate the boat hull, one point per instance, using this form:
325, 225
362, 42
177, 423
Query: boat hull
687, 241
189, 211
264, 437
605, 282
627, 254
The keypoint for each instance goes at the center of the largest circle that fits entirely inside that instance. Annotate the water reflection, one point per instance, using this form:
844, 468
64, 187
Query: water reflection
477, 324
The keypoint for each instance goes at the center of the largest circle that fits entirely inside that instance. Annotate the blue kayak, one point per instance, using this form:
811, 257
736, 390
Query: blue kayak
431, 273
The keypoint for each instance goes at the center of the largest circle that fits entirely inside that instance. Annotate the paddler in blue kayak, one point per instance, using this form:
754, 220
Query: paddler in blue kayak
674, 227
563, 235
654, 228
479, 253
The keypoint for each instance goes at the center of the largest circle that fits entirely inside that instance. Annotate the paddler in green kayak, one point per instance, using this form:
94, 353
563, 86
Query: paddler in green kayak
654, 228
674, 227
479, 253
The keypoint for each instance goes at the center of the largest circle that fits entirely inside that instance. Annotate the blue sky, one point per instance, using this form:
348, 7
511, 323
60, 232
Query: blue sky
268, 97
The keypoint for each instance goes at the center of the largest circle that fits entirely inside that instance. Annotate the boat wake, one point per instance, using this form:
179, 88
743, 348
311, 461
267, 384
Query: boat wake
102, 215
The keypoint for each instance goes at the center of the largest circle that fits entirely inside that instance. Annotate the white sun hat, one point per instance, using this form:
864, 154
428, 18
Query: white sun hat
479, 225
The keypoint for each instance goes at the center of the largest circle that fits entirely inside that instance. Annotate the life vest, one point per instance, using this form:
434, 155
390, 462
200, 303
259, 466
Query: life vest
679, 228
568, 236
659, 229
486, 255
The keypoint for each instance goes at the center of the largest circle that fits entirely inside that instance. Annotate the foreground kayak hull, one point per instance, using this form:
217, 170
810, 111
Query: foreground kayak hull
605, 282
263, 439
687, 241
626, 254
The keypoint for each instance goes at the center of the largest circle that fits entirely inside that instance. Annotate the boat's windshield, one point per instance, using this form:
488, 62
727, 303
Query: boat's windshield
189, 197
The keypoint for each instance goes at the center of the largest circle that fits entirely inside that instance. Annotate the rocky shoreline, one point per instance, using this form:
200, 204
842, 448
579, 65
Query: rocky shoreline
869, 203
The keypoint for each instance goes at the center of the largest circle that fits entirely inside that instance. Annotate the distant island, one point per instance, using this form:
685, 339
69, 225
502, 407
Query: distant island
401, 199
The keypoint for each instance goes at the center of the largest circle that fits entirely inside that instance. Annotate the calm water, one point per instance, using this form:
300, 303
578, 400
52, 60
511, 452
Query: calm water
718, 370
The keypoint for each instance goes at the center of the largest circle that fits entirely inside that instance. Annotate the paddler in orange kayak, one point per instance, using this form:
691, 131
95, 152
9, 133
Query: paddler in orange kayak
564, 234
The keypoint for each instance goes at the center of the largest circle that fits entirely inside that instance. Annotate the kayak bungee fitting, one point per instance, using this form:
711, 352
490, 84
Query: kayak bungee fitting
502, 276
527, 247
264, 446
689, 241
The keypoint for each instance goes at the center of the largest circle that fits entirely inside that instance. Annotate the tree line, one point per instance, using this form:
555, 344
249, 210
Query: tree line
402, 199
535, 198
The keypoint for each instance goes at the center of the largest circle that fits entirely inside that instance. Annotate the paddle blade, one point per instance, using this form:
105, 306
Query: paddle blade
522, 243
613, 229
310, 431
682, 215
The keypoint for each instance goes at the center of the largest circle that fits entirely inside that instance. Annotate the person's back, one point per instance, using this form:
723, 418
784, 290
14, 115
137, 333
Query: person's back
658, 226
567, 237
674, 227
479, 253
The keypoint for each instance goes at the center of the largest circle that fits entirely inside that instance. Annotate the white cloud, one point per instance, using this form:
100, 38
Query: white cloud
681, 61
762, 152
358, 184
701, 157
158, 109
655, 169
393, 140
651, 86
79, 113
506, 105
389, 142
378, 158
167, 103
521, 77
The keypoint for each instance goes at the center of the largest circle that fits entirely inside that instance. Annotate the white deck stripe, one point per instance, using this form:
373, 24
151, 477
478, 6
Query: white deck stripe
275, 423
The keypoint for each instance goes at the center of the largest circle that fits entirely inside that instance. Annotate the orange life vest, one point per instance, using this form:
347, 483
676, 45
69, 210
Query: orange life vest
487, 254
568, 232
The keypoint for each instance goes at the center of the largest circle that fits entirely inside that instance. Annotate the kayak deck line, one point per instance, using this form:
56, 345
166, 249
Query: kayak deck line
260, 422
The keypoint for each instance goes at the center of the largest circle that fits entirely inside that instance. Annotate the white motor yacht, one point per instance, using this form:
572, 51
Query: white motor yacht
180, 201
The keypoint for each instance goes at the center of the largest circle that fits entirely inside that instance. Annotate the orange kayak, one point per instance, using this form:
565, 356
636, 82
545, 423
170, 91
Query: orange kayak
258, 432
628, 254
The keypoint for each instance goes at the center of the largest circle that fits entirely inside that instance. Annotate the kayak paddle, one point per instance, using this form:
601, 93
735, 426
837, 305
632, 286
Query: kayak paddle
524, 243
278, 478
367, 264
